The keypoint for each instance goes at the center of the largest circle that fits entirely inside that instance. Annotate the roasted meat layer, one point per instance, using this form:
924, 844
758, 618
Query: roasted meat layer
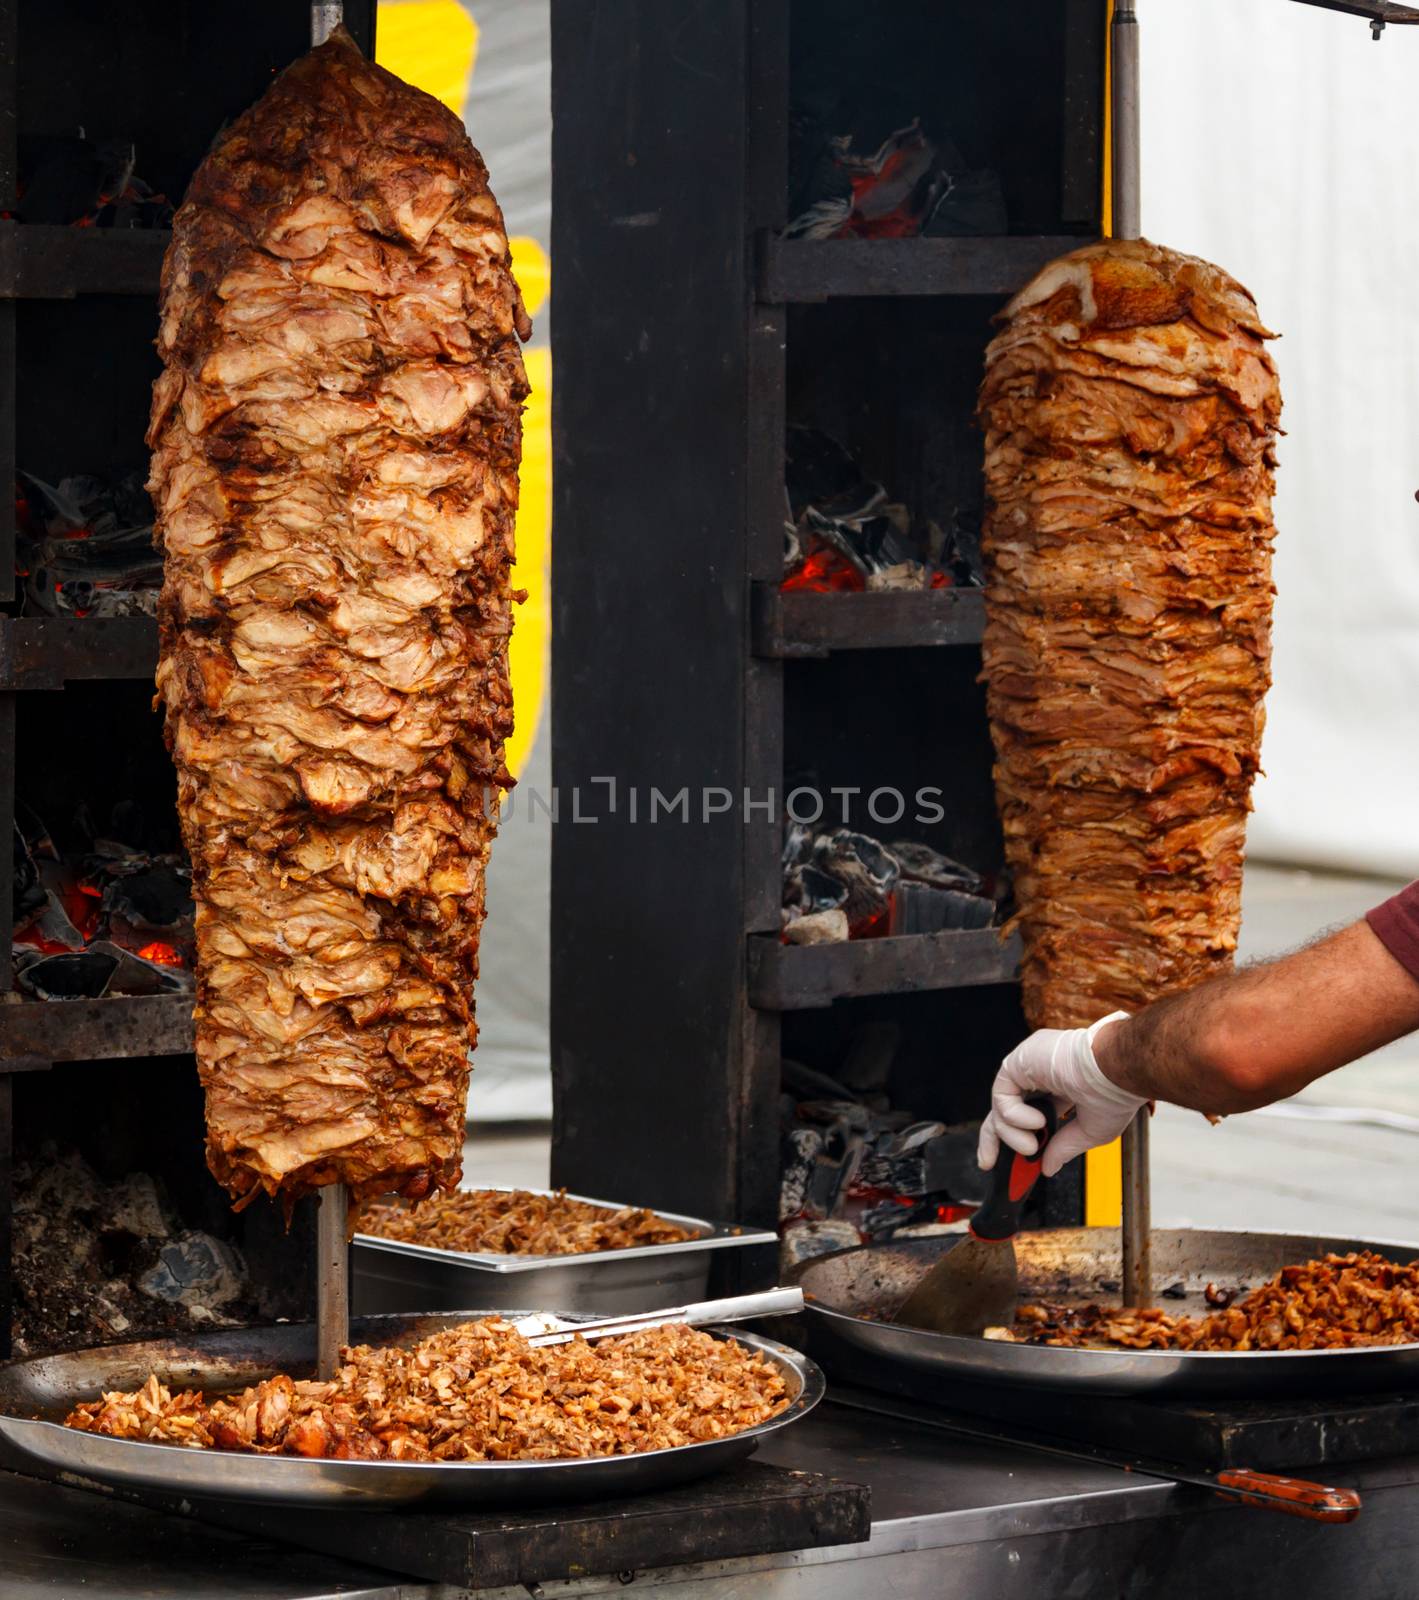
1130, 409
1337, 1302
336, 436
476, 1392
518, 1222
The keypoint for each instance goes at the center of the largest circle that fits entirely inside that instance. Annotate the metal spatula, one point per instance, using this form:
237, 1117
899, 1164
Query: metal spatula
542, 1328
976, 1284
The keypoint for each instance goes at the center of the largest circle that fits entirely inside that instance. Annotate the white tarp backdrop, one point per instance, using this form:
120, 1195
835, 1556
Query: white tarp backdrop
1279, 141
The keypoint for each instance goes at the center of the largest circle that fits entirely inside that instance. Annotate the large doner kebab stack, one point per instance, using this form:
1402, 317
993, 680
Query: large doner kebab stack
336, 437
1130, 407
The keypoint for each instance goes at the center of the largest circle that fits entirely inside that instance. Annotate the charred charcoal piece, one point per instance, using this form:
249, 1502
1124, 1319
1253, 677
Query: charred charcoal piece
76, 975
917, 908
808, 889
69, 179
87, 548
928, 1158
801, 1147
922, 864
865, 866
157, 896
968, 205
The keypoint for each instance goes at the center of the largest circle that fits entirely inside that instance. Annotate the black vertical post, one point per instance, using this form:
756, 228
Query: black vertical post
650, 600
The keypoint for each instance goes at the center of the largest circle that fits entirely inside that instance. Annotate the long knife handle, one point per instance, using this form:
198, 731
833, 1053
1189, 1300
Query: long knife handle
1293, 1497
1012, 1179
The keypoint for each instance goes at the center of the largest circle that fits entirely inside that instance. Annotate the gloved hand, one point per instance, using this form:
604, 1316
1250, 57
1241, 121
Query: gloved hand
1058, 1062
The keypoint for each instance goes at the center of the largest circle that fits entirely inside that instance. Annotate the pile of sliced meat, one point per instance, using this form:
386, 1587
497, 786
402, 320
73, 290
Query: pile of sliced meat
1130, 409
336, 437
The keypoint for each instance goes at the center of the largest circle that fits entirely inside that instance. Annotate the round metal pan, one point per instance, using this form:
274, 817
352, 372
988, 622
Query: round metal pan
34, 1394
853, 1295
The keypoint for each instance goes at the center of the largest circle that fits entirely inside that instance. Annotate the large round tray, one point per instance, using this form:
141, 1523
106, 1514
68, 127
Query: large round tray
853, 1295
35, 1393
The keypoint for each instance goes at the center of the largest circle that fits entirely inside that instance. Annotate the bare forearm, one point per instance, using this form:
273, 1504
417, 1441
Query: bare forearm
1265, 1032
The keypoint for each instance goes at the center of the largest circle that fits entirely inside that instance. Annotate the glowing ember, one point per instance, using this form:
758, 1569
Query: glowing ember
162, 955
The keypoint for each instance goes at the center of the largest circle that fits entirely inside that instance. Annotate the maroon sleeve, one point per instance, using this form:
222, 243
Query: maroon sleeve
1396, 922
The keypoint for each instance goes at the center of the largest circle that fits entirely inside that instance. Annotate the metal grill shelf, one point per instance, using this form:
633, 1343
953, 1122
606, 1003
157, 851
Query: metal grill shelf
800, 977
41, 261
806, 624
796, 270
95, 1030
48, 652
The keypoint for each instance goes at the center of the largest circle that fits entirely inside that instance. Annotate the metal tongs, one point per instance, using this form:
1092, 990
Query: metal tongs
542, 1328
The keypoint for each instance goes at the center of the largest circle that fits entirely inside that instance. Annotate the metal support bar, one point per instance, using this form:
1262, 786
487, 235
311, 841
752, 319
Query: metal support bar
332, 1284
325, 17
1137, 1214
1127, 221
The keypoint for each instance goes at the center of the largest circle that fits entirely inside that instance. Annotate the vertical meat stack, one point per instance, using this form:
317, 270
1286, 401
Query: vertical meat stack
336, 438
1130, 409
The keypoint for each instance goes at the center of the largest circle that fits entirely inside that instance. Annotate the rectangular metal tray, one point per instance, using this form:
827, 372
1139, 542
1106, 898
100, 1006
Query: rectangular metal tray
388, 1275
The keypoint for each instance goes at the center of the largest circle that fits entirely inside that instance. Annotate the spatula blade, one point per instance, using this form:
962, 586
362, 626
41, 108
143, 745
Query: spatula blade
973, 1287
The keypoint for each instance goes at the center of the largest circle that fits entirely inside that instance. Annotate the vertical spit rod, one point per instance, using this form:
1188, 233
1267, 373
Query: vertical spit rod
332, 1279
1123, 52
325, 17
1127, 224
1137, 1214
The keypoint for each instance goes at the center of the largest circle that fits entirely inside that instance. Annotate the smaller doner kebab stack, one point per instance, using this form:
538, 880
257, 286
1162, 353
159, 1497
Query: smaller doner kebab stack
336, 436
1130, 409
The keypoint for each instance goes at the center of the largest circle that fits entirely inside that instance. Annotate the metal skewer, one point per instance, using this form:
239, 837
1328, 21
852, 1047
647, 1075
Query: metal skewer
325, 17
1127, 224
332, 1279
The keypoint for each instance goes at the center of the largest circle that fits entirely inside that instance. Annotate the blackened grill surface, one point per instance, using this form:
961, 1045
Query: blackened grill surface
336, 436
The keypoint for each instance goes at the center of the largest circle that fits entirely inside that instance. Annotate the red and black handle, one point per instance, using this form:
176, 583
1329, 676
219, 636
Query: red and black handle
1012, 1178
1293, 1497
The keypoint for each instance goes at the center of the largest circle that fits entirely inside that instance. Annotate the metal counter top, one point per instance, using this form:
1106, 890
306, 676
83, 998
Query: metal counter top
951, 1517
60, 1544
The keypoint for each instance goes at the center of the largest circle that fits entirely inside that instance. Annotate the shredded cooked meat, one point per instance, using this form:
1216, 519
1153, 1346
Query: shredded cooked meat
1130, 409
336, 437
476, 1392
517, 1222
1338, 1302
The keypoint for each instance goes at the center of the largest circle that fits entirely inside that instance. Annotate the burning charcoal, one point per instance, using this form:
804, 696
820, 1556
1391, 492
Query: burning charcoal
928, 1158
87, 547
916, 908
818, 927
81, 975
157, 968
157, 895
922, 864
805, 1240
808, 889
869, 871
71, 180
195, 1270
879, 193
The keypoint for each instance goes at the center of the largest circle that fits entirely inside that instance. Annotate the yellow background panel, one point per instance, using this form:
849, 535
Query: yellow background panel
429, 43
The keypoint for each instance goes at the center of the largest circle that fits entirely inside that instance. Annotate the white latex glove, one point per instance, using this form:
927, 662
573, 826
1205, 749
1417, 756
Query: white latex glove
1058, 1062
